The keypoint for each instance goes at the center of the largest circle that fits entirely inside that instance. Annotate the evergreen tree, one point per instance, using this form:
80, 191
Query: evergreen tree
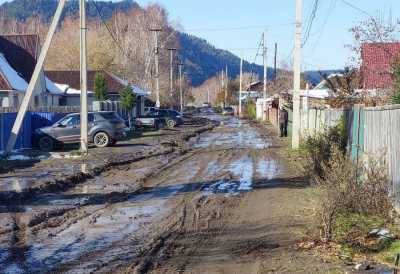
100, 87
128, 100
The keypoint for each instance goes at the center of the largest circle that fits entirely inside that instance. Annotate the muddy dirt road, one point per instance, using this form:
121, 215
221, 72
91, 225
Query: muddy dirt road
228, 205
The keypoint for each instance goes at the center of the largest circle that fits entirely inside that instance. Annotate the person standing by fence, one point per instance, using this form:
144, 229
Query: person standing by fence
283, 122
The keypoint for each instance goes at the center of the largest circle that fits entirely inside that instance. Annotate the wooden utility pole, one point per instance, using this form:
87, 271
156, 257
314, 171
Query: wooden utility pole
83, 78
265, 64
171, 70
157, 74
275, 58
226, 85
35, 76
296, 77
180, 86
240, 87
223, 85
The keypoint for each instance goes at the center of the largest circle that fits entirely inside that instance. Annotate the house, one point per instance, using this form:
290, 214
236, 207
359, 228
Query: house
69, 83
258, 86
18, 57
376, 68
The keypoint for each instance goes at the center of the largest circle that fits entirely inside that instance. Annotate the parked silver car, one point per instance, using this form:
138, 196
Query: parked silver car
105, 128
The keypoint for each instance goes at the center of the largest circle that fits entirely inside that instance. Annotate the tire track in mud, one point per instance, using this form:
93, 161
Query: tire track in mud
69, 216
223, 164
181, 189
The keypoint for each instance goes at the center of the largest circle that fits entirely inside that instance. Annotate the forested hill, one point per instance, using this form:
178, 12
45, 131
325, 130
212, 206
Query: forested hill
202, 60
22, 9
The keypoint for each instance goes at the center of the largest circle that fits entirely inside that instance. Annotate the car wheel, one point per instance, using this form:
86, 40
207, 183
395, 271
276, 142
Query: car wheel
171, 123
101, 139
46, 143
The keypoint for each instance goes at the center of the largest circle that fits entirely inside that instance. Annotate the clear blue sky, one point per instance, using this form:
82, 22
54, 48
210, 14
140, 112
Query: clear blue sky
325, 48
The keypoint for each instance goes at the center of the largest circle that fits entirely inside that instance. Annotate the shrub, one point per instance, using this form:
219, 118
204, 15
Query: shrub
251, 111
319, 147
347, 190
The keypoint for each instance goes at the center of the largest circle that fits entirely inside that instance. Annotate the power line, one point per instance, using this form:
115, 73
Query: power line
239, 28
330, 10
356, 8
109, 30
310, 22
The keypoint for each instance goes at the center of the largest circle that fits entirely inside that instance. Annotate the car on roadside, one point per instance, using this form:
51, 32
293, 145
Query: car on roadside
190, 111
206, 110
228, 111
105, 128
156, 118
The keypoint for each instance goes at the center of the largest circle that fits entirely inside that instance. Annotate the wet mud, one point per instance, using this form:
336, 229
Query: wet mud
214, 205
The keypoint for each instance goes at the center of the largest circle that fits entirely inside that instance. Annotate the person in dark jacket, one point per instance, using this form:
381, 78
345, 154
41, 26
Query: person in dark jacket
283, 122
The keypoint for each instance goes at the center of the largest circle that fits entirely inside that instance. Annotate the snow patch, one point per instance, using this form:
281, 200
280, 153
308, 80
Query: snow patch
12, 76
267, 168
72, 91
53, 88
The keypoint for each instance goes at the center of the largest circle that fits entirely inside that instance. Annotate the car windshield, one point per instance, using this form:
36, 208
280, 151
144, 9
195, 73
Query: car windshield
229, 109
70, 121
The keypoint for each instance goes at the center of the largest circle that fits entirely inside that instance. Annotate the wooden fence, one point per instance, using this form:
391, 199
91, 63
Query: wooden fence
372, 132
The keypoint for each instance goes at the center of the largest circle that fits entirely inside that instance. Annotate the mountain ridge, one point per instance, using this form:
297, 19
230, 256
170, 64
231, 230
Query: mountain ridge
202, 60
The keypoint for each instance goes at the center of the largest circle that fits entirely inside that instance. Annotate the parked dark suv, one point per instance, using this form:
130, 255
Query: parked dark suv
154, 118
105, 128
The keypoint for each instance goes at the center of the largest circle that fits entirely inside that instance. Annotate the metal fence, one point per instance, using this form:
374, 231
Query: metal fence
58, 109
381, 126
372, 132
32, 121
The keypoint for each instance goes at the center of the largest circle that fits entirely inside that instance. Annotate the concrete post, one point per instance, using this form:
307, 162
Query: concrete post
35, 76
296, 77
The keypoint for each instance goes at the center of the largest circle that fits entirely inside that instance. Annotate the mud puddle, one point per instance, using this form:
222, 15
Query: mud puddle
104, 221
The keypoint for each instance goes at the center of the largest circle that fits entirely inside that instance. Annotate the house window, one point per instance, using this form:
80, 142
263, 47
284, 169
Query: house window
16, 100
36, 101
4, 100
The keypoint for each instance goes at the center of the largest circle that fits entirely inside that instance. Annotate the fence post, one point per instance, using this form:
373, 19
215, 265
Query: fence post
358, 133
2, 131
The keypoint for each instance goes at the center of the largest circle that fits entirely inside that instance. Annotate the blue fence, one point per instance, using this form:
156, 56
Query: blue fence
32, 121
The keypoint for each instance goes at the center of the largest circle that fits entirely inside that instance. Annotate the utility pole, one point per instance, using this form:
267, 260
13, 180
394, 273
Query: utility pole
35, 76
275, 58
180, 86
240, 86
83, 71
156, 55
296, 77
223, 85
171, 70
265, 64
226, 85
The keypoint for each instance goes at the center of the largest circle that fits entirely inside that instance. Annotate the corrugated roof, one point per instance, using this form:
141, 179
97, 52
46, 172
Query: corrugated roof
20, 51
377, 59
72, 79
4, 84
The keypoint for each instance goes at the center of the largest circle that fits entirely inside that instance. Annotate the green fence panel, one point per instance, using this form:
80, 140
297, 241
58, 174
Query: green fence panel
357, 145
